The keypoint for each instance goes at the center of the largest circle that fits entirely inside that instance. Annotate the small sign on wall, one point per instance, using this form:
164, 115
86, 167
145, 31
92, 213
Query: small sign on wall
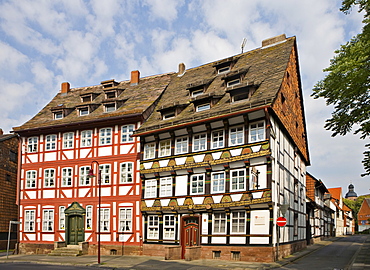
259, 220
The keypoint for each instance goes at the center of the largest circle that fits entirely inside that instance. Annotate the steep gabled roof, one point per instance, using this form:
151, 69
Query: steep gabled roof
336, 193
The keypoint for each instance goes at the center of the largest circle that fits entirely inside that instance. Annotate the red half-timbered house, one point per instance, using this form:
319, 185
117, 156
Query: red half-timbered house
85, 131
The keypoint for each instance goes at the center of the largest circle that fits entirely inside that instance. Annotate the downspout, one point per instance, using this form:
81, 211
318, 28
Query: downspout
18, 198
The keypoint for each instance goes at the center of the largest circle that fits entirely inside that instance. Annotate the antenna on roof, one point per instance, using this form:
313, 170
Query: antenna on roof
243, 44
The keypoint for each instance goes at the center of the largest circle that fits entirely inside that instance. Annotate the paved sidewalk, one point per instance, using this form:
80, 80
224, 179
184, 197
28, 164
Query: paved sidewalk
361, 260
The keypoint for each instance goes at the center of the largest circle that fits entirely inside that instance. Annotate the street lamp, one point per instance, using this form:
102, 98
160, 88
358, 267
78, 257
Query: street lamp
91, 175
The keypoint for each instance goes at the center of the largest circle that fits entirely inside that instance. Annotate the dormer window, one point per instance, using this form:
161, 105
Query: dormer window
197, 92
58, 115
203, 107
88, 97
225, 65
110, 94
110, 107
233, 82
242, 91
169, 114
223, 70
83, 111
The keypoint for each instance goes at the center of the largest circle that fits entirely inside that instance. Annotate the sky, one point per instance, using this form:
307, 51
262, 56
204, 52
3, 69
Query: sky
44, 43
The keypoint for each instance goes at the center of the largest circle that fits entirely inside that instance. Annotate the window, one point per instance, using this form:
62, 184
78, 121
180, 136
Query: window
86, 98
86, 137
197, 92
165, 148
218, 182
254, 184
126, 132
51, 142
68, 140
62, 218
153, 227
8, 177
237, 180
127, 172
219, 223
13, 156
238, 222
296, 190
233, 82
110, 107
83, 111
200, 142
168, 115
84, 179
169, 227
197, 184
125, 219
105, 136
236, 135
29, 221
165, 188
181, 145
105, 173
32, 144
104, 220
150, 188
66, 177
48, 220
89, 217
223, 69
30, 179
217, 139
203, 107
49, 177
295, 224
58, 115
149, 150
257, 132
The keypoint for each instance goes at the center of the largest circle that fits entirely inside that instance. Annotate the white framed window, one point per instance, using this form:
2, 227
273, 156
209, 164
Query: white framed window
153, 227
32, 143
105, 136
68, 138
238, 219
62, 218
223, 69
169, 224
203, 107
48, 220
200, 142
110, 107
126, 133
237, 180
104, 219
83, 111
218, 182
51, 142
86, 138
165, 148
197, 92
150, 188
236, 135
66, 177
58, 115
233, 82
197, 184
257, 132
219, 223
165, 186
29, 221
218, 139
149, 150
49, 178
127, 170
105, 173
181, 145
84, 173
125, 219
30, 179
168, 115
89, 217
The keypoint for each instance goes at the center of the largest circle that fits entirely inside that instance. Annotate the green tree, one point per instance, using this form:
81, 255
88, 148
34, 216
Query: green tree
346, 85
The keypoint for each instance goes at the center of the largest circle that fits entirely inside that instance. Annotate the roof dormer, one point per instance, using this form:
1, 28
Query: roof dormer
60, 111
171, 110
225, 65
88, 97
198, 88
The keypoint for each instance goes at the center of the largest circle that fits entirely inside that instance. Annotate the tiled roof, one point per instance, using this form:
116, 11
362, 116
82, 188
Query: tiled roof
5, 137
336, 193
134, 99
263, 67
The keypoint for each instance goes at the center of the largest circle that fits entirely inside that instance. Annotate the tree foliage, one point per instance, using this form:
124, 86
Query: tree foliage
347, 83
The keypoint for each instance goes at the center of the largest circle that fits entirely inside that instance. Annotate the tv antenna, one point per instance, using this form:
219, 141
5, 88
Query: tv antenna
243, 44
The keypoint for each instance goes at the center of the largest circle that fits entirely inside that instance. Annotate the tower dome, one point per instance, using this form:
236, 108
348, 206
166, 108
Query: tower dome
351, 194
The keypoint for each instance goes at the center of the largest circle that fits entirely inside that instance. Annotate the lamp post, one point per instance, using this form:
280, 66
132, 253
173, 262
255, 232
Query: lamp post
91, 175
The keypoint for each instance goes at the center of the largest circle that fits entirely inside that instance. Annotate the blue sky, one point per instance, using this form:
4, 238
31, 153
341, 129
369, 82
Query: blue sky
44, 43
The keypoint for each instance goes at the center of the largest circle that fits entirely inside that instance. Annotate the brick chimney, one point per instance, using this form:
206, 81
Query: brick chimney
135, 77
1, 131
273, 40
181, 69
66, 87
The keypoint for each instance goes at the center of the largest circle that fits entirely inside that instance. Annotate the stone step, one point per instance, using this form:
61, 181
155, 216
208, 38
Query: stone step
65, 251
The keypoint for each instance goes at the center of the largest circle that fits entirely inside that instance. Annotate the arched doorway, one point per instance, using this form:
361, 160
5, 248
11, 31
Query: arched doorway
75, 224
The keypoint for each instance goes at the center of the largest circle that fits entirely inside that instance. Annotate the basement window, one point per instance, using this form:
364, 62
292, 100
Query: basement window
216, 254
235, 255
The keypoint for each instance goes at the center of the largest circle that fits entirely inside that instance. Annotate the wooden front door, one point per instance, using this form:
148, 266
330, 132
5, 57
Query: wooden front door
75, 229
189, 233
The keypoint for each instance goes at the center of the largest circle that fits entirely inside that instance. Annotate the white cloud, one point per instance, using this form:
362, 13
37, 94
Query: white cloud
164, 9
11, 58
